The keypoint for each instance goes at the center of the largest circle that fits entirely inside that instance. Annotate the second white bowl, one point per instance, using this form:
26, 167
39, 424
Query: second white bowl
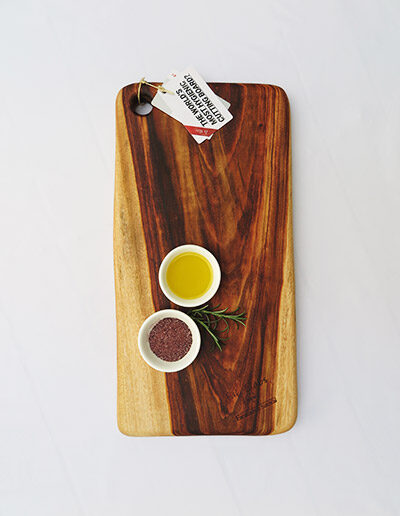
152, 359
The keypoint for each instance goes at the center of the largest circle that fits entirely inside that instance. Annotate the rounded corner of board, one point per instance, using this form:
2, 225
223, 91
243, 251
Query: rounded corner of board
281, 93
125, 429
287, 426
120, 94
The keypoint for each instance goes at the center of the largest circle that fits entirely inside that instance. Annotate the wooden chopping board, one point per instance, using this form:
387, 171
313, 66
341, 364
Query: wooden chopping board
232, 195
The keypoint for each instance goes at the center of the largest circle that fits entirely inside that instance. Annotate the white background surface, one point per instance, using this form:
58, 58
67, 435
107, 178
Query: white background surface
62, 63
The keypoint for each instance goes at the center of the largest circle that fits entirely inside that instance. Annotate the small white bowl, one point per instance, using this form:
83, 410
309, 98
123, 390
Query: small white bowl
152, 359
189, 248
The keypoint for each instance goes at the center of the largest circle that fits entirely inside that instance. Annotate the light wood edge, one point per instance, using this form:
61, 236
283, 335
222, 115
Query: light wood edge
141, 411
286, 380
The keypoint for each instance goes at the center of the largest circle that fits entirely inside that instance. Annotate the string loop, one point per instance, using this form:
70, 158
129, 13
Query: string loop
159, 88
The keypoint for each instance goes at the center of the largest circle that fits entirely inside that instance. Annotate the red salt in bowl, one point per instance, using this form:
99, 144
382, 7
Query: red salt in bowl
151, 358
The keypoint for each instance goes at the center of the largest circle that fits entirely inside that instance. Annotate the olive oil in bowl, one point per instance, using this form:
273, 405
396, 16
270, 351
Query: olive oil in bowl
189, 275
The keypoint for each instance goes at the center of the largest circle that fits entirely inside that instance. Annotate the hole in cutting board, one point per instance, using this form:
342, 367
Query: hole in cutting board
143, 108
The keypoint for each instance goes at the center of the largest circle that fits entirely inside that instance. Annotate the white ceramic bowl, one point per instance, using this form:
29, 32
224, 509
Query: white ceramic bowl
193, 249
152, 359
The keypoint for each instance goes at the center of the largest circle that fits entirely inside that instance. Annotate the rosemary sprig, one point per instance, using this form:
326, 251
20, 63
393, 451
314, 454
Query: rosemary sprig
211, 318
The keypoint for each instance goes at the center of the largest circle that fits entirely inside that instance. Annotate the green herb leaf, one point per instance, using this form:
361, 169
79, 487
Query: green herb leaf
211, 318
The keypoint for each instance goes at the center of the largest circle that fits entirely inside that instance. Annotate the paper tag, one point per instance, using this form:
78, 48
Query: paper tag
193, 103
158, 102
174, 73
196, 105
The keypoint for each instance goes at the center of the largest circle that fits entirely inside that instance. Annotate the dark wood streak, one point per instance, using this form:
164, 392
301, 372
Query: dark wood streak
231, 196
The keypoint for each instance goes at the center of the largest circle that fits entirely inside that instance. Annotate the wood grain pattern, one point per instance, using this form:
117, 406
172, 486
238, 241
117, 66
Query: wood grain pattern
232, 195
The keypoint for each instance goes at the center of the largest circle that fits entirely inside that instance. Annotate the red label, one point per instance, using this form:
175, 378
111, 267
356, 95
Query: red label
200, 131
